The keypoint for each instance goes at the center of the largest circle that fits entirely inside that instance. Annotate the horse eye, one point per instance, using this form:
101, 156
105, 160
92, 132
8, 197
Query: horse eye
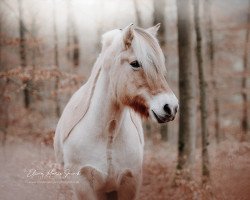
135, 64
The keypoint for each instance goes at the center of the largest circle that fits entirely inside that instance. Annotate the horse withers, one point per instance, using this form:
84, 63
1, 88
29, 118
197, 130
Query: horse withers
100, 131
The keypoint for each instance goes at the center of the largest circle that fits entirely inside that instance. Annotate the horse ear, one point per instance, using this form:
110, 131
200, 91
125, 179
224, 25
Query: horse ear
154, 29
128, 35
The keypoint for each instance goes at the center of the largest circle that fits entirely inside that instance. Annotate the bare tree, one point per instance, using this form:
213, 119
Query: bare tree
159, 17
22, 53
245, 125
4, 118
216, 103
4, 110
203, 92
35, 53
76, 49
187, 125
137, 13
56, 60
73, 49
34, 49
1, 36
68, 44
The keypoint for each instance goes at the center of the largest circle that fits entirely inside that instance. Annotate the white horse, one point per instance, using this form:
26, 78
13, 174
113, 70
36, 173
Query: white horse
100, 131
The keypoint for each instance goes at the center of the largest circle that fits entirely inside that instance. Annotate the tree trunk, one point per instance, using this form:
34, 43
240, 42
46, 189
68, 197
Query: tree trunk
159, 17
4, 119
34, 53
5, 111
1, 36
137, 14
58, 111
73, 50
187, 125
203, 92
244, 123
22, 53
76, 49
68, 44
164, 132
213, 74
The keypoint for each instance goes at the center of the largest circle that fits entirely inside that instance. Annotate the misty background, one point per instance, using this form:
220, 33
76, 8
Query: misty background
48, 48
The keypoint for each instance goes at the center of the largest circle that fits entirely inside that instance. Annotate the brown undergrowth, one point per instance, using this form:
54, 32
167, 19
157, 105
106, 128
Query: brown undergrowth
230, 171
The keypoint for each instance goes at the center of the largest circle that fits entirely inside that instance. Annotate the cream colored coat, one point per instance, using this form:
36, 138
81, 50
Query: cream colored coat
99, 132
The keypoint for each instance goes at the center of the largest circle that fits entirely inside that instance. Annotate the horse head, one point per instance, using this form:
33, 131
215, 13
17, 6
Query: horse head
137, 72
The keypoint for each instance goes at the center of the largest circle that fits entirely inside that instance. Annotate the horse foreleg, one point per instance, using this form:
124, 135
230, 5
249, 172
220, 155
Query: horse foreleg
90, 182
129, 186
83, 190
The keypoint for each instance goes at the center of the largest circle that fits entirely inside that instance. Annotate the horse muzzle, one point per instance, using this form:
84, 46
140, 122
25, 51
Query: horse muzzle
164, 107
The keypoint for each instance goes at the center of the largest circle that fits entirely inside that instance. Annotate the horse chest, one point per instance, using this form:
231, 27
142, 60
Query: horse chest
116, 152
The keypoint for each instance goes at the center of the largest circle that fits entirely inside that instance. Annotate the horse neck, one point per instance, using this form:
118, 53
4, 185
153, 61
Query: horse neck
104, 110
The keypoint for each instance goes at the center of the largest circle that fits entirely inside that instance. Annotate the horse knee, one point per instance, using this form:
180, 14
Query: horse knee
83, 191
90, 181
128, 187
95, 178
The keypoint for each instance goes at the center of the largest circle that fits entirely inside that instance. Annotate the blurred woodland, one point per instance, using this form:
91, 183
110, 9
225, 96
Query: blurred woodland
48, 48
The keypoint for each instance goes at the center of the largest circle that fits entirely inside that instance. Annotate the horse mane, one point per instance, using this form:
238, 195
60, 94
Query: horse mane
79, 103
148, 52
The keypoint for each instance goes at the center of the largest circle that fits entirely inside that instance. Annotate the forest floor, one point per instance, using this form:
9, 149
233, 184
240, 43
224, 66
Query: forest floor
230, 172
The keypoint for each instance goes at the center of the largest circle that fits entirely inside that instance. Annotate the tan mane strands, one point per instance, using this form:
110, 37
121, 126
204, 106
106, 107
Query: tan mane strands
148, 53
78, 106
87, 104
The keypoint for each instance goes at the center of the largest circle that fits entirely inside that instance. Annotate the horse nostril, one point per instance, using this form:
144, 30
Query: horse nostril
167, 109
176, 109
